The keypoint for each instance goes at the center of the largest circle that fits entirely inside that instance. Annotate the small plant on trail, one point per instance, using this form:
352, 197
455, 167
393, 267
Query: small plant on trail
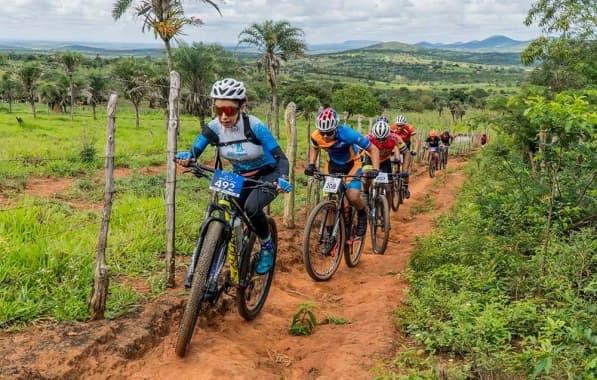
304, 321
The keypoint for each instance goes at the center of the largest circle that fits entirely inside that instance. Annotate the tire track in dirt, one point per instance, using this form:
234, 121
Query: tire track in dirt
141, 345
366, 295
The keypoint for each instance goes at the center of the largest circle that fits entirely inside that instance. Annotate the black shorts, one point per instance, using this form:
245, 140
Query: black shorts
384, 166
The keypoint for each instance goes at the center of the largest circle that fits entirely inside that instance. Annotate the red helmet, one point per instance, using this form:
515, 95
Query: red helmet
327, 120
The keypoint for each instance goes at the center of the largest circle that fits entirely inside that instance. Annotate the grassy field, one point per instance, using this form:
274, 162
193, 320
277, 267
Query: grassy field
47, 243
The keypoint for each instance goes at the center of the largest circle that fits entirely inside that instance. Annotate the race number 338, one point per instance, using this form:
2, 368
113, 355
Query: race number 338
331, 185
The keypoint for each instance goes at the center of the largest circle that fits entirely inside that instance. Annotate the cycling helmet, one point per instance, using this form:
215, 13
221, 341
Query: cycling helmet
381, 129
327, 120
432, 133
228, 89
400, 119
382, 118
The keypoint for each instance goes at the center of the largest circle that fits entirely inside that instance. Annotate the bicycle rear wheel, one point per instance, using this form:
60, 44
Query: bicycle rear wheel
321, 247
380, 225
251, 295
211, 242
353, 247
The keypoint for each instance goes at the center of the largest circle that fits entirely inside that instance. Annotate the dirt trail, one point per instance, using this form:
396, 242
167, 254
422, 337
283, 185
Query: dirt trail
227, 347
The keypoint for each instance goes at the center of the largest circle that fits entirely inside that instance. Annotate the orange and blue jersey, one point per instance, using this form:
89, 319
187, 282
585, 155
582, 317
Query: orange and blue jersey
344, 147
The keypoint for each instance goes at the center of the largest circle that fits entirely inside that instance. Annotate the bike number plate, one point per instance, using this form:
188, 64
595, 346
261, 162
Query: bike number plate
331, 185
227, 183
382, 178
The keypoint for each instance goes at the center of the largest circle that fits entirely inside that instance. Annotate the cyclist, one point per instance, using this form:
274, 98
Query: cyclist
433, 143
447, 139
389, 144
406, 133
341, 143
248, 145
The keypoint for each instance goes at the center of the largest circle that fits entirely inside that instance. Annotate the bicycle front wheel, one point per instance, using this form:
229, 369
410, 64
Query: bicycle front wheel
380, 225
322, 248
394, 194
191, 312
431, 168
354, 244
254, 288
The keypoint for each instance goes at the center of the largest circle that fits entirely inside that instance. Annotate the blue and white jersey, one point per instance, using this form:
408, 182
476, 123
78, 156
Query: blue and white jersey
244, 155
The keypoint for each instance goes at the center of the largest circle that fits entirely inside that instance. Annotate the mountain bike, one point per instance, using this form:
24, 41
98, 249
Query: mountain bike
226, 234
331, 230
444, 157
432, 164
441, 161
397, 192
378, 212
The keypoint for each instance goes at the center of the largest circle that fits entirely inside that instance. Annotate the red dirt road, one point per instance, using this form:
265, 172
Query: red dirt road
225, 346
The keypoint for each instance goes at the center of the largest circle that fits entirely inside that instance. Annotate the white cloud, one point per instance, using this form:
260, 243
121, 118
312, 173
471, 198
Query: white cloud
323, 21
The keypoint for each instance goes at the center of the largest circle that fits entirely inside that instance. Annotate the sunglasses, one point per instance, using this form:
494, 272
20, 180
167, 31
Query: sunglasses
226, 110
327, 134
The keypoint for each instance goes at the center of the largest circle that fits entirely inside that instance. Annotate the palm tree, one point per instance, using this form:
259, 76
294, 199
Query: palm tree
29, 75
199, 65
96, 88
8, 89
277, 41
70, 61
164, 17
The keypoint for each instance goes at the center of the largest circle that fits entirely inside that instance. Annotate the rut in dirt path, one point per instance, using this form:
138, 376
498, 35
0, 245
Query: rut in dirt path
366, 295
141, 346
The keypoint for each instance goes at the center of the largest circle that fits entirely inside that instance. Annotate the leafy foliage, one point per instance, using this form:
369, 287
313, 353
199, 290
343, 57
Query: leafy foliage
304, 321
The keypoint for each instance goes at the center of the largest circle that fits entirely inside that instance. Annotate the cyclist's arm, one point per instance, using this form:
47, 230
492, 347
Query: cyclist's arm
374, 154
405, 154
313, 154
269, 142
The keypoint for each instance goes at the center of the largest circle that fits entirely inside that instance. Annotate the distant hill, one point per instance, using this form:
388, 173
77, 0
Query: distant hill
153, 49
491, 44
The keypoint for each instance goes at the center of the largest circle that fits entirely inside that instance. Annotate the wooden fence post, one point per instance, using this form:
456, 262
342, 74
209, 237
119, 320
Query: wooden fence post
291, 135
101, 281
360, 124
173, 104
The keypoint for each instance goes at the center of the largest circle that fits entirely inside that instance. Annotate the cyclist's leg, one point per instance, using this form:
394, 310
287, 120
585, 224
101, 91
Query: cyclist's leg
353, 193
253, 205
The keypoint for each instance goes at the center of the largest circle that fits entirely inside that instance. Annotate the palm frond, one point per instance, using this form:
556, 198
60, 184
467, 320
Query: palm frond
120, 8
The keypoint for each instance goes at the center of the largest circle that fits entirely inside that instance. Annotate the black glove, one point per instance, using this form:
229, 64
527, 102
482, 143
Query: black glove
413, 153
310, 170
371, 174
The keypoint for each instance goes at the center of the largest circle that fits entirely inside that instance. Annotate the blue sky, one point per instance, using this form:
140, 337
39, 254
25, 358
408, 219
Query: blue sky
407, 21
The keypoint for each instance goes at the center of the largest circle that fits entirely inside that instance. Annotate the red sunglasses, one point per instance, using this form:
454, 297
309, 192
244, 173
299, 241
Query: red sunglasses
227, 110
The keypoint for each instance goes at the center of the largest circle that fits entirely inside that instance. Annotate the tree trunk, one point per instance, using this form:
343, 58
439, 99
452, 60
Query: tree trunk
72, 98
32, 102
291, 135
275, 110
136, 105
173, 112
93, 110
101, 281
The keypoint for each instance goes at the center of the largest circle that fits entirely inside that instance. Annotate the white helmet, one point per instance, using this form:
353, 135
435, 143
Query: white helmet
327, 120
228, 89
380, 129
400, 119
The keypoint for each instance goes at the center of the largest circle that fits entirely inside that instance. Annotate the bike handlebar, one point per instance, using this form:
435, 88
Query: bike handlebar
200, 170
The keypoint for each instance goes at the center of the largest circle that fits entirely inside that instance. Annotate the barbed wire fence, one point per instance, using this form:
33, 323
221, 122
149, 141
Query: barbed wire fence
463, 145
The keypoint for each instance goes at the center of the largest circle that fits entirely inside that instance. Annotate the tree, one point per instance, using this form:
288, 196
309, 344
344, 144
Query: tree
133, 78
165, 18
8, 89
96, 87
199, 65
277, 41
29, 74
568, 59
70, 61
54, 91
355, 99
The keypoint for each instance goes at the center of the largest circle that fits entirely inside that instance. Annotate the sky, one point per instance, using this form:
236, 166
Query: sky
323, 21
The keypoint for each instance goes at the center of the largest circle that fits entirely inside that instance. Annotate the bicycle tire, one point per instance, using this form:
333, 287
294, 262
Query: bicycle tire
251, 298
353, 245
380, 226
210, 243
331, 249
313, 193
431, 168
394, 194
